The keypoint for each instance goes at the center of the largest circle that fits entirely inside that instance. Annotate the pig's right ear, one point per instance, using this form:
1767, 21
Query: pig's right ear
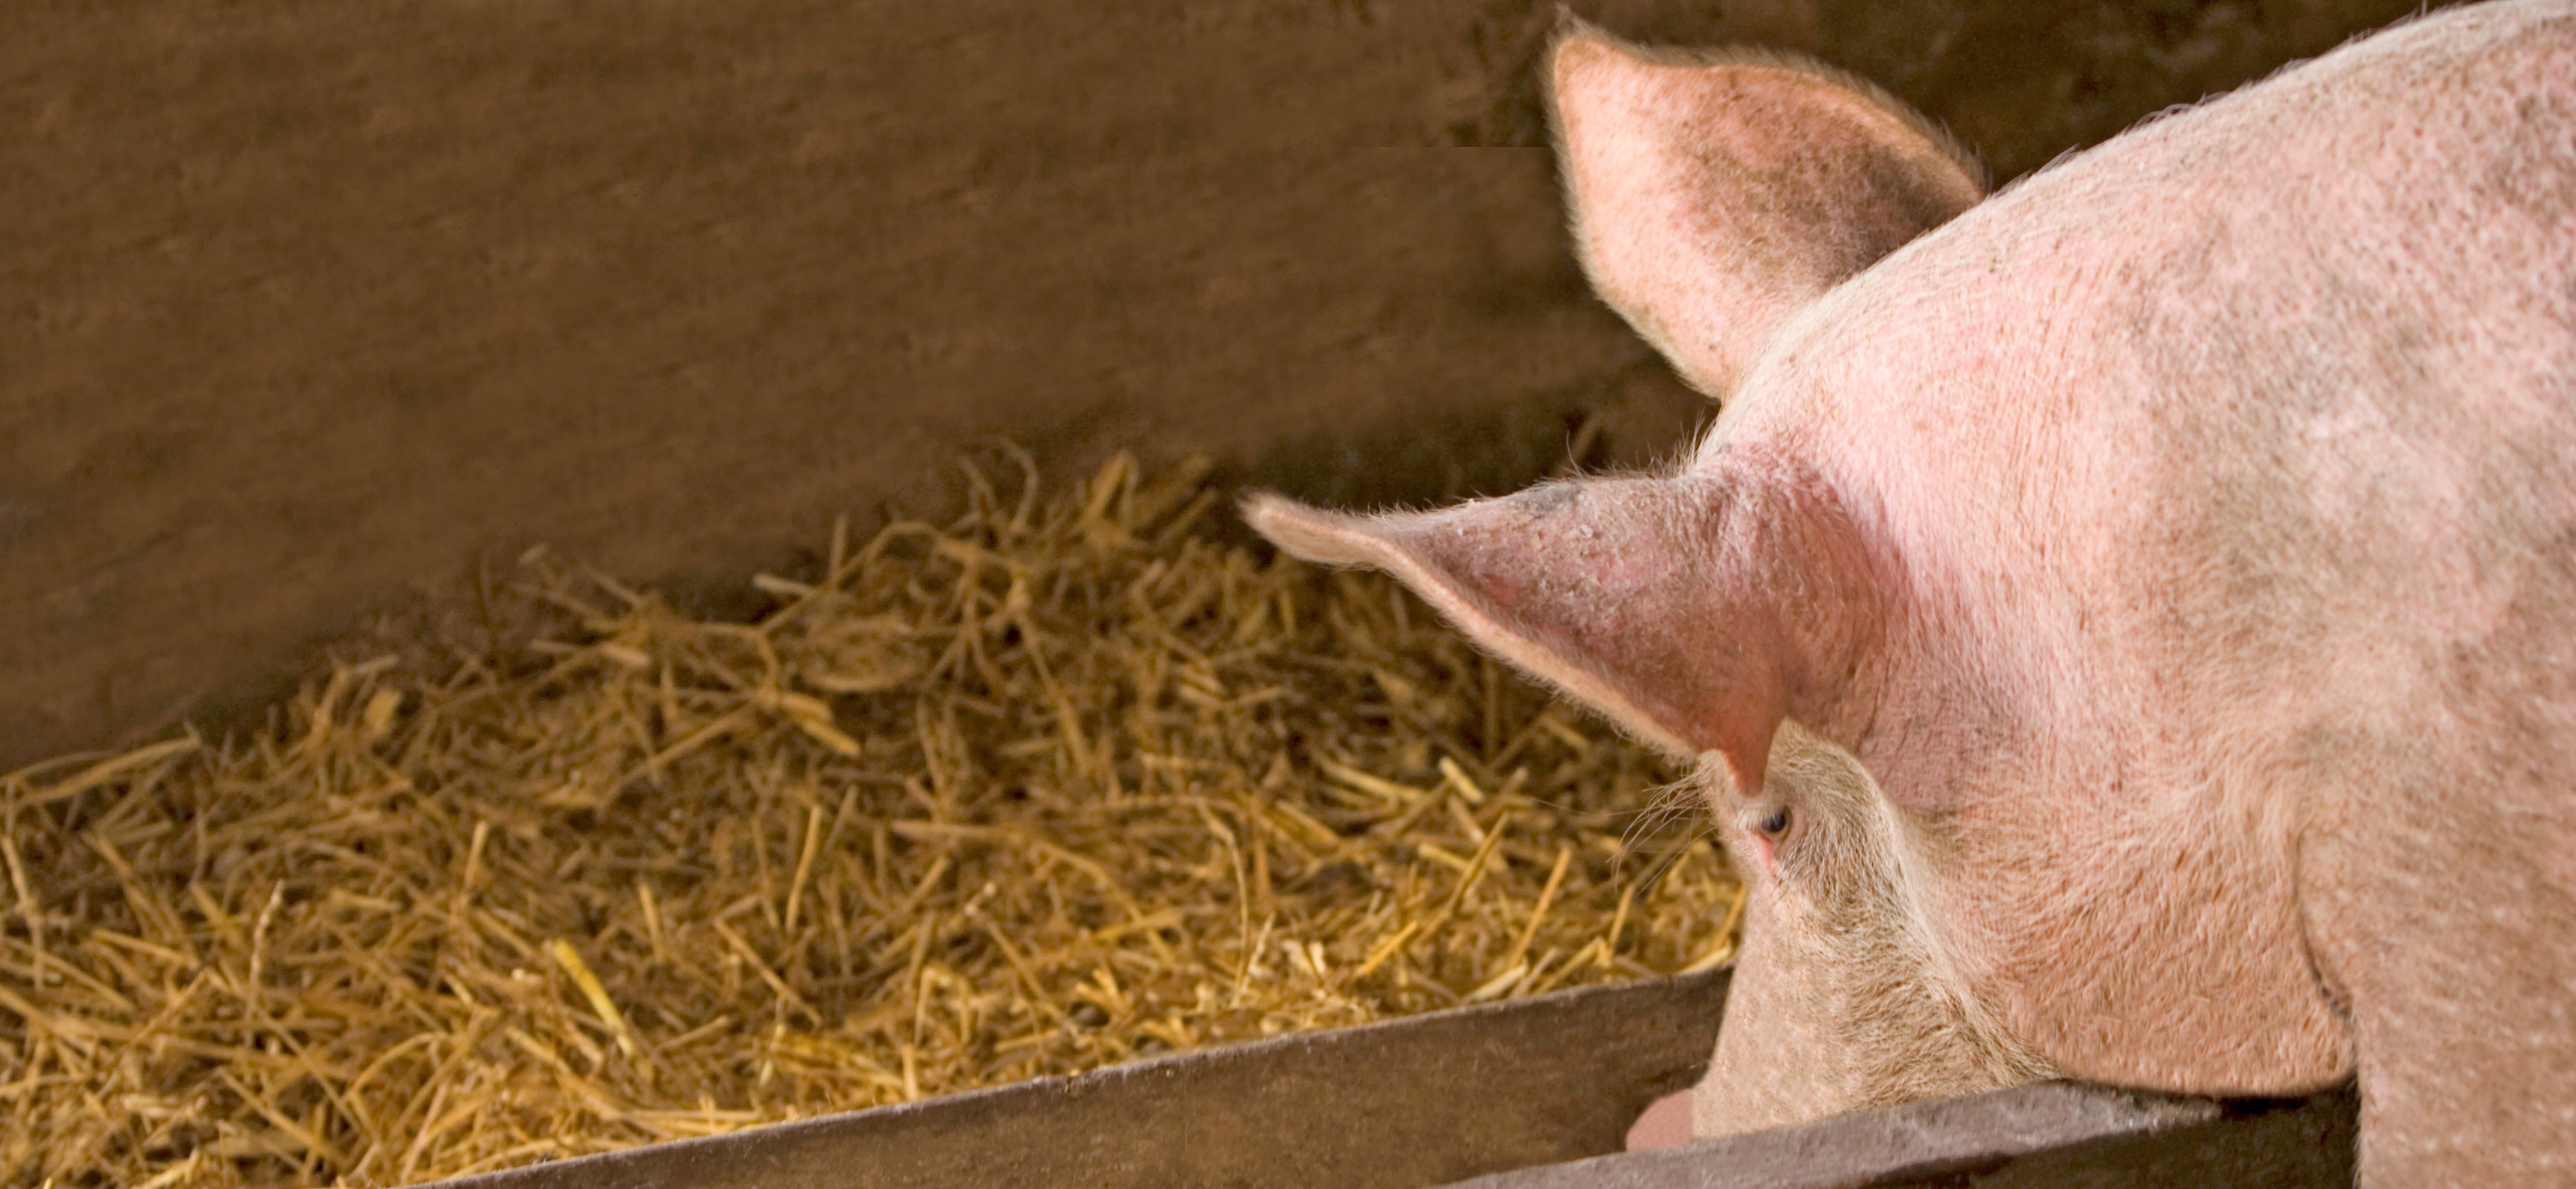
1714, 194
1632, 595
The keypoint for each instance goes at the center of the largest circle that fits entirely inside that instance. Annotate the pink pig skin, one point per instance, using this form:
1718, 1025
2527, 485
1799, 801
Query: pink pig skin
2127, 629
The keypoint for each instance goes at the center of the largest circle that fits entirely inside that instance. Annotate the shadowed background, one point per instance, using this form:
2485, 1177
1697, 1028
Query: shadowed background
309, 309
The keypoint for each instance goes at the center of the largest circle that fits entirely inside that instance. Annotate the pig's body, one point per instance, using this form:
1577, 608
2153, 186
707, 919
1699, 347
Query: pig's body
2153, 591
2230, 472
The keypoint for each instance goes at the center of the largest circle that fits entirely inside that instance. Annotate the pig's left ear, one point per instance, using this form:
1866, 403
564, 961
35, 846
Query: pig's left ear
1715, 193
1644, 598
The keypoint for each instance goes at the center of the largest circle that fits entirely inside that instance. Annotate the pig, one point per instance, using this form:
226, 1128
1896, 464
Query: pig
2124, 626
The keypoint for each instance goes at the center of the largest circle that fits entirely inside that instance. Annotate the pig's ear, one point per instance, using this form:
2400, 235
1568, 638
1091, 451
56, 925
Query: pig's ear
1712, 194
1603, 588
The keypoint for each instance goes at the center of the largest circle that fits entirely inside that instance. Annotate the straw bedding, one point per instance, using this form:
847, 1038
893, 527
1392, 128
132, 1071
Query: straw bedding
1058, 785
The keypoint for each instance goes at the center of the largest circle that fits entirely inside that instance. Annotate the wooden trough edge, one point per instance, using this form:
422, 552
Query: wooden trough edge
1399, 1104
2043, 1134
1530, 1094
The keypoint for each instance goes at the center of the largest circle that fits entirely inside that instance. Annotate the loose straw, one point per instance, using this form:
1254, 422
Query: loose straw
1058, 784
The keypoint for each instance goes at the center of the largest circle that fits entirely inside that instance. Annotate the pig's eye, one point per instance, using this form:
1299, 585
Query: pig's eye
1773, 823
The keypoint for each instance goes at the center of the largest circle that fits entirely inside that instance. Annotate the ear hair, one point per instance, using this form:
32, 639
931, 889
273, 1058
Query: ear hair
1571, 25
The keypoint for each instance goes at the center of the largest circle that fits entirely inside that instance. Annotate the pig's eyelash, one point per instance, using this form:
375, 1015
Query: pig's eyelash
1675, 856
1666, 804
1661, 809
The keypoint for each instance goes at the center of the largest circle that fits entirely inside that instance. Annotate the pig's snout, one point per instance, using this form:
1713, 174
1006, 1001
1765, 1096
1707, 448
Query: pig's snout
1665, 1124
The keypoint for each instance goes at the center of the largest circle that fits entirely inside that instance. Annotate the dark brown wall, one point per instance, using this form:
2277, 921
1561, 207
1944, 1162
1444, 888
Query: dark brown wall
305, 307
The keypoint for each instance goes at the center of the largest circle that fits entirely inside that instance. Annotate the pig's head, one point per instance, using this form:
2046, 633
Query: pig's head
1731, 614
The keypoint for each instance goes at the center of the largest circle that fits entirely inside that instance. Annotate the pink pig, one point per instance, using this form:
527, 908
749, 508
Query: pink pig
2129, 632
